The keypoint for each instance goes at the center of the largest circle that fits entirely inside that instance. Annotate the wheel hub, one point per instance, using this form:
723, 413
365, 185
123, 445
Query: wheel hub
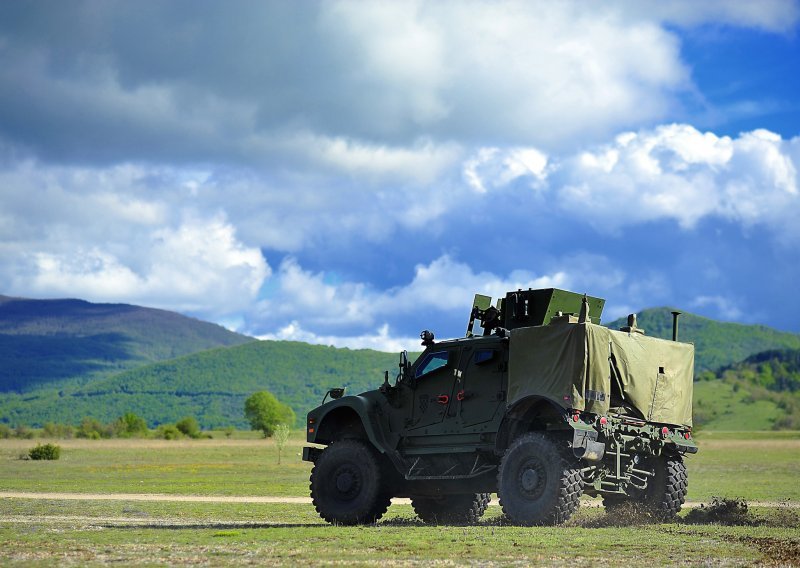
345, 482
530, 479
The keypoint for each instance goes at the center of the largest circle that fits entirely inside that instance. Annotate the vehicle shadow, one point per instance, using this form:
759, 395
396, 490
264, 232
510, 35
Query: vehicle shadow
170, 526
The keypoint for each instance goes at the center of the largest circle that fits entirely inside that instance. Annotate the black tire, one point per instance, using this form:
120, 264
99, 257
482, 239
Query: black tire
464, 509
538, 483
346, 484
665, 492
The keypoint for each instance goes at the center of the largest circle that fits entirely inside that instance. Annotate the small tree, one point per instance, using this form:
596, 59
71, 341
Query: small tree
265, 412
130, 424
188, 426
281, 436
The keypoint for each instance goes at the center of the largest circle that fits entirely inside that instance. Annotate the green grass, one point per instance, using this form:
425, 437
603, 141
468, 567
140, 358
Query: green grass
757, 466
201, 467
180, 533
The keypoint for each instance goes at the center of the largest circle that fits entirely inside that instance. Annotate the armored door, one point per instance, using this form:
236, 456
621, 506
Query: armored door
432, 394
480, 389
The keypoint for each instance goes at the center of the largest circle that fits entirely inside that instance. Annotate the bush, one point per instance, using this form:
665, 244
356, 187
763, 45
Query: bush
55, 430
168, 432
5, 431
45, 452
91, 429
23, 432
229, 430
130, 425
189, 426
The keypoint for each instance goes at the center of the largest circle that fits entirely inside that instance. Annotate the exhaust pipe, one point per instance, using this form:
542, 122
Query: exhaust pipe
675, 325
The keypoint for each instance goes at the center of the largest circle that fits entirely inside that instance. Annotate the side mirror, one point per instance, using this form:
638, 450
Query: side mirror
334, 393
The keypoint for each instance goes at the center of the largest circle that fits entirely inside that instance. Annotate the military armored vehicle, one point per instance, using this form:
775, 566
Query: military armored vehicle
538, 403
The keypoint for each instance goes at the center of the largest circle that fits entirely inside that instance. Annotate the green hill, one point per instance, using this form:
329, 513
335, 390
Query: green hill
211, 385
62, 342
717, 344
96, 360
760, 393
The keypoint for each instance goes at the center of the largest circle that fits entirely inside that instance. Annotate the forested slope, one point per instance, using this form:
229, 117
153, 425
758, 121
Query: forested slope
61, 342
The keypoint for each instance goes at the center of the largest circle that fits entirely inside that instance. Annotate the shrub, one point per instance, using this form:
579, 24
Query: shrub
189, 426
23, 432
5, 431
45, 452
130, 425
229, 430
90, 428
55, 430
168, 432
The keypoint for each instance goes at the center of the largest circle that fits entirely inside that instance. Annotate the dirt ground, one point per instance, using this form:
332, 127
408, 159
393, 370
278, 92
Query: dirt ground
269, 499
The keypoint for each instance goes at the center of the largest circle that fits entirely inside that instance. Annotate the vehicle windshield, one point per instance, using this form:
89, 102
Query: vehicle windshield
432, 362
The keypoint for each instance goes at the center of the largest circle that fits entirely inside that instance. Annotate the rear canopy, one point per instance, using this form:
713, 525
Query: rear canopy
574, 365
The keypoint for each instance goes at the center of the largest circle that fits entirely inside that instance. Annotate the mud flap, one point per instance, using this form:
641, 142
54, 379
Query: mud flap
311, 454
586, 447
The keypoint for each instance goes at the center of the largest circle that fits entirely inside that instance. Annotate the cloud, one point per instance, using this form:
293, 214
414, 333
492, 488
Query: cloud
380, 340
114, 235
443, 288
672, 172
369, 83
769, 15
726, 308
198, 266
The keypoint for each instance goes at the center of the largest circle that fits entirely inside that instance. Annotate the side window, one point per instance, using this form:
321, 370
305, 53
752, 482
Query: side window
432, 362
484, 356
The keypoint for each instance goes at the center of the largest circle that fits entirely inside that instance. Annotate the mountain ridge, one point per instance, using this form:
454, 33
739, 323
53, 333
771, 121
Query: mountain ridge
60, 341
211, 384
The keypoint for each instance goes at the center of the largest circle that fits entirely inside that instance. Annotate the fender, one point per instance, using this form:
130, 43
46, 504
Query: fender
357, 414
530, 413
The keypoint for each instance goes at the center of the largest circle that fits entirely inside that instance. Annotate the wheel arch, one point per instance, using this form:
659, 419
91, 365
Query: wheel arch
530, 414
346, 418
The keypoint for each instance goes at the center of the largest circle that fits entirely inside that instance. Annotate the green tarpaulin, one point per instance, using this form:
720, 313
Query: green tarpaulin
578, 365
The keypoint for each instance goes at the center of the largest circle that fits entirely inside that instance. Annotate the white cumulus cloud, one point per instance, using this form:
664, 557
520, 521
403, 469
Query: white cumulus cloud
671, 172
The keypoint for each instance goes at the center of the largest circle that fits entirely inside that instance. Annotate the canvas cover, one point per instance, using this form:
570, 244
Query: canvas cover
574, 365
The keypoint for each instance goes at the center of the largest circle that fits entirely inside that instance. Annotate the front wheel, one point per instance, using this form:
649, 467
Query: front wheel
464, 509
538, 483
346, 484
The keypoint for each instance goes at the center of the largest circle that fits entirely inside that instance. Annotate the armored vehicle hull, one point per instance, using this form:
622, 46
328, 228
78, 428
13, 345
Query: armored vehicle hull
539, 414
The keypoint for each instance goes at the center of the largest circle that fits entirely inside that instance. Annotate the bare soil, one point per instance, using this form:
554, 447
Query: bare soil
275, 499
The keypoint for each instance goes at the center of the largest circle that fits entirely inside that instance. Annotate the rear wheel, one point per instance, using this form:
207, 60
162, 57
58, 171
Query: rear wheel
665, 492
539, 483
346, 484
462, 509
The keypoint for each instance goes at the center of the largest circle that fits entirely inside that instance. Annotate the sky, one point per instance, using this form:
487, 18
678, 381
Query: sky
352, 172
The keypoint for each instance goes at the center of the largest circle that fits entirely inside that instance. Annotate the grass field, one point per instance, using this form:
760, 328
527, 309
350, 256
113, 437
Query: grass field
752, 466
